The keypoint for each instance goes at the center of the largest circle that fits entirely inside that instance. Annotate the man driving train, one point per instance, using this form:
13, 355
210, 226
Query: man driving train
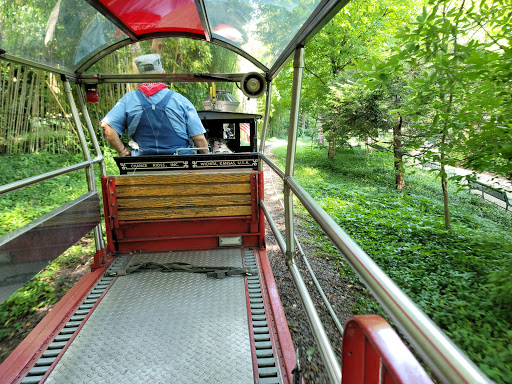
158, 120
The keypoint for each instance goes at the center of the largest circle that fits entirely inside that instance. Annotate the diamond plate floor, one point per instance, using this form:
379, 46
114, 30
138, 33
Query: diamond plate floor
155, 327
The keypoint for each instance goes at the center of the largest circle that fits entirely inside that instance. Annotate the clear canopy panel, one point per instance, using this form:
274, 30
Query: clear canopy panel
262, 28
64, 34
61, 34
179, 55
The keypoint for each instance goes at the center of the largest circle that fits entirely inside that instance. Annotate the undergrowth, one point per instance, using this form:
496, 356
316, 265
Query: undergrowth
44, 290
21, 206
459, 277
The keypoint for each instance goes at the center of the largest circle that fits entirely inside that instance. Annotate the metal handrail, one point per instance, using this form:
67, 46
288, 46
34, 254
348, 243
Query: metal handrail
282, 245
447, 361
324, 345
273, 226
48, 175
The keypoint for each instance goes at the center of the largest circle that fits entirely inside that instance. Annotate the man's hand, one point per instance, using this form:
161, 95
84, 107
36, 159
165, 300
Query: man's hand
200, 142
114, 140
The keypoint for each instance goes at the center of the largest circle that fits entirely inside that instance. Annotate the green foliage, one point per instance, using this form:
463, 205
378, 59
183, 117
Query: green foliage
361, 31
457, 57
460, 277
24, 205
43, 290
354, 111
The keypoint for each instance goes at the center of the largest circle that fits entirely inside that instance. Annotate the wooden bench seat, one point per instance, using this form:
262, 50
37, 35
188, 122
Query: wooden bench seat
174, 196
182, 210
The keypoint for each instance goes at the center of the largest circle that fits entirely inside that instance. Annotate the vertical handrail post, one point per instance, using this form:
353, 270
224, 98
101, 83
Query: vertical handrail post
264, 130
92, 133
298, 69
91, 178
324, 345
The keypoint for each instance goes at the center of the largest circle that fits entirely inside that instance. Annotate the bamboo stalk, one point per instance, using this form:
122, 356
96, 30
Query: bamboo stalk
27, 126
3, 115
63, 111
35, 109
12, 114
41, 104
8, 108
20, 115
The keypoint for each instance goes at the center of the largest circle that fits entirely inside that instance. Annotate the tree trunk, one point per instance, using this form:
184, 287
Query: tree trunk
332, 146
444, 185
321, 138
397, 148
156, 46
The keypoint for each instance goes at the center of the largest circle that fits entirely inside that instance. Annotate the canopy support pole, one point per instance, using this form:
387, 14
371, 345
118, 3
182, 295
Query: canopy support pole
92, 133
327, 353
264, 130
91, 179
298, 69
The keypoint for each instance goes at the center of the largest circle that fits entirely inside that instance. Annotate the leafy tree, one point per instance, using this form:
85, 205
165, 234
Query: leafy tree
354, 111
362, 30
459, 97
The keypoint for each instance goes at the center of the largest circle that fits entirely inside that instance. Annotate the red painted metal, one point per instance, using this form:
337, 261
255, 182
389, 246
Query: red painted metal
261, 195
161, 235
100, 259
254, 198
174, 234
108, 188
154, 16
184, 227
21, 360
374, 353
288, 358
193, 242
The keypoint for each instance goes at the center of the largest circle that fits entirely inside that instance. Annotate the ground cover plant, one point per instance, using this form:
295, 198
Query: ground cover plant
459, 277
24, 205
23, 310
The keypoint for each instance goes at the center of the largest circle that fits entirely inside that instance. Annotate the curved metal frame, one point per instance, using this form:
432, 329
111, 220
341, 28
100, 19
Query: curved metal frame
324, 12
119, 44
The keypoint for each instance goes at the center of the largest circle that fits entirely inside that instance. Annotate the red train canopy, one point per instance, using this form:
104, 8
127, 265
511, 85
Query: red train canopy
70, 36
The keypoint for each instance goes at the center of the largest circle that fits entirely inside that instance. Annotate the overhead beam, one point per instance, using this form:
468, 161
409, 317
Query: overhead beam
164, 78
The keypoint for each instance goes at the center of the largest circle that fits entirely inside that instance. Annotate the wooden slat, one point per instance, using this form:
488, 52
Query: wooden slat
180, 179
183, 201
182, 190
184, 213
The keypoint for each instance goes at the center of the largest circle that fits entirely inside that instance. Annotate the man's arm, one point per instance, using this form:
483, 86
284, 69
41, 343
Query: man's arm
200, 142
114, 140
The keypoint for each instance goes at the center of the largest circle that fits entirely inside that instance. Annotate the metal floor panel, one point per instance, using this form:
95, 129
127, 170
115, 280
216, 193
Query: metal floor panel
155, 327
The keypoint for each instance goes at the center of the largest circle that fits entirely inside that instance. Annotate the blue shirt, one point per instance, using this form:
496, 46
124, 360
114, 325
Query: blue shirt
181, 114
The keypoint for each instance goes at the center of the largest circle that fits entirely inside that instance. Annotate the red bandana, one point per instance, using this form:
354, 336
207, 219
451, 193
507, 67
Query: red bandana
149, 89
